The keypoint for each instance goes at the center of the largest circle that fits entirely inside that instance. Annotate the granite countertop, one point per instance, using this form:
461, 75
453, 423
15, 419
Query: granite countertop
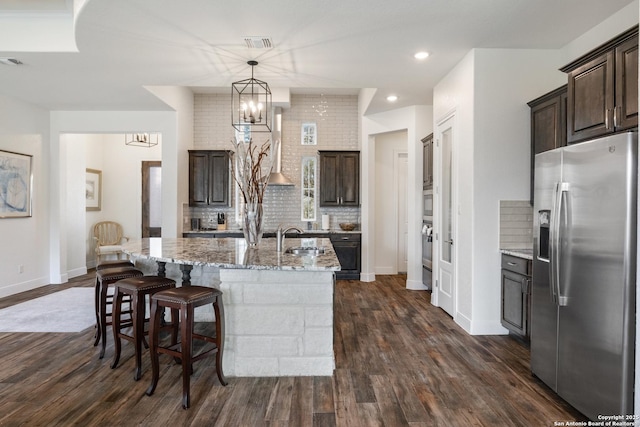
233, 253
520, 253
269, 232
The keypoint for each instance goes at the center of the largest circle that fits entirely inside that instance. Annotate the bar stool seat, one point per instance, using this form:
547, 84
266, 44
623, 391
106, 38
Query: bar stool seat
182, 302
105, 278
137, 288
116, 263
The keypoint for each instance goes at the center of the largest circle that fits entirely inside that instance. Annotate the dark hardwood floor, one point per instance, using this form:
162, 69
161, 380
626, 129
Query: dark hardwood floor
399, 361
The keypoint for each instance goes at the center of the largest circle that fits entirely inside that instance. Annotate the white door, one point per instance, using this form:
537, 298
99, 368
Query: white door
445, 220
402, 166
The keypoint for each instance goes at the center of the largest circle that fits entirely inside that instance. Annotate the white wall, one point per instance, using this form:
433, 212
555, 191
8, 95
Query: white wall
388, 146
506, 81
417, 121
454, 95
121, 167
175, 156
75, 212
25, 241
69, 122
51, 245
487, 93
606, 30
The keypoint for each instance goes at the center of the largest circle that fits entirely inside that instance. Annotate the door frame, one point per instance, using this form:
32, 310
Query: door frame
397, 156
148, 231
451, 118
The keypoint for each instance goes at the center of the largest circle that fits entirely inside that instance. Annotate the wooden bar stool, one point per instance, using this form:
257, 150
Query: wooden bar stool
103, 266
137, 288
184, 300
105, 278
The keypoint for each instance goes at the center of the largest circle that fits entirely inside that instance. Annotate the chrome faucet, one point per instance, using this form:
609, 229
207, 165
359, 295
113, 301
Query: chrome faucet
281, 233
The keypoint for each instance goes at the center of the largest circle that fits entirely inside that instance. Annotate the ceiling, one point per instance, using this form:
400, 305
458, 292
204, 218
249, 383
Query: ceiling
327, 46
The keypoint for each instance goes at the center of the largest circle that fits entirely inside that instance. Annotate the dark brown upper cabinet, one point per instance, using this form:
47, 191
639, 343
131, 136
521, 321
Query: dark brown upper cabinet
549, 121
339, 178
548, 124
602, 92
209, 178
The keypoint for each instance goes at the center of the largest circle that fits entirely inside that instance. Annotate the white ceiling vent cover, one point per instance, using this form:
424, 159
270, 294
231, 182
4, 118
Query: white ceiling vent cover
255, 42
10, 61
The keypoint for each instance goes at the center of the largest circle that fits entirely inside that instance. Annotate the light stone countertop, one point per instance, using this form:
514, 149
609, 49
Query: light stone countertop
233, 253
268, 232
520, 253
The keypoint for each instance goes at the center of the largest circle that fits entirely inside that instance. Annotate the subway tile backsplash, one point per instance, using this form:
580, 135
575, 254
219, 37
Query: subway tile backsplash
336, 118
516, 224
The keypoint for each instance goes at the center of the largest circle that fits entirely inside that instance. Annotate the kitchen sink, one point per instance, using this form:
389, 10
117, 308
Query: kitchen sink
302, 250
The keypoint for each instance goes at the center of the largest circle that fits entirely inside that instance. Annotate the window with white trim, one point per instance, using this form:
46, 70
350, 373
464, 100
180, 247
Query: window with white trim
308, 189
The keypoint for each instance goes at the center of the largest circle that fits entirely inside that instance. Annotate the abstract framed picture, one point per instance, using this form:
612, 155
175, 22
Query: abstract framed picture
16, 179
93, 190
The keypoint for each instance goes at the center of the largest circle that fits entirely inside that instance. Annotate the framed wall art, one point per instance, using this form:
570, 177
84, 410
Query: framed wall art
16, 179
309, 134
93, 190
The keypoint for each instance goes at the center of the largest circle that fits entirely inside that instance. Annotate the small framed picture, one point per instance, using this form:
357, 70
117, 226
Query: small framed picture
93, 190
309, 134
15, 184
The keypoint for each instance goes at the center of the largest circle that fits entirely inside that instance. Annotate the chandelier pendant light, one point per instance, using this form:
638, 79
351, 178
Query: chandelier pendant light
251, 104
141, 139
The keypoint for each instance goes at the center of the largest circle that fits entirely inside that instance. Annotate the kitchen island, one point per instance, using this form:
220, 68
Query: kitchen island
278, 306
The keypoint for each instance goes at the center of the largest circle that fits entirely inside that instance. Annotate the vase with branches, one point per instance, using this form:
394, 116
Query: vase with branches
251, 170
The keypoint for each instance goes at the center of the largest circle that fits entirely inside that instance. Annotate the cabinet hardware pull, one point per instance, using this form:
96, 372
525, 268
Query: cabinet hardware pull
615, 117
512, 263
606, 118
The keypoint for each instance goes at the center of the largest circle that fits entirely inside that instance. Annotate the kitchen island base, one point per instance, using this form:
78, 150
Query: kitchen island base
278, 307
279, 323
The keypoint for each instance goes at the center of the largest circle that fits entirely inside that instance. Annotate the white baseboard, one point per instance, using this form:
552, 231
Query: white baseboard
385, 270
16, 288
367, 277
416, 285
484, 327
77, 272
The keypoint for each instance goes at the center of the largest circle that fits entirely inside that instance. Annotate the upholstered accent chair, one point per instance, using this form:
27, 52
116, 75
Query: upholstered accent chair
108, 237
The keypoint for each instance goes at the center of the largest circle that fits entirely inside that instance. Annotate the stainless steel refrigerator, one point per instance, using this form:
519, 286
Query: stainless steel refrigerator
584, 273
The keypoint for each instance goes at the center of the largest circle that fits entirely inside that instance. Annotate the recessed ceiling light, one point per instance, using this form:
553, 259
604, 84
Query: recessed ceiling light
392, 98
421, 55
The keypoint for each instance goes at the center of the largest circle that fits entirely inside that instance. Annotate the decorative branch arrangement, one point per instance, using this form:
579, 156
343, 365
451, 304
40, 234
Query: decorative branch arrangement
248, 173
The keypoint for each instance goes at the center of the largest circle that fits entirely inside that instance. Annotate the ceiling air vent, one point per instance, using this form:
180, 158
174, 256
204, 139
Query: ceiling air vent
10, 61
258, 42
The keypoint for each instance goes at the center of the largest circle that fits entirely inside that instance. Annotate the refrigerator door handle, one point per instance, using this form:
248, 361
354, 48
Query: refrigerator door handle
553, 247
561, 189
562, 213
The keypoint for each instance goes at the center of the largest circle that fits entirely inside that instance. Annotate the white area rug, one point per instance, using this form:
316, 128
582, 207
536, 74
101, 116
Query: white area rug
71, 310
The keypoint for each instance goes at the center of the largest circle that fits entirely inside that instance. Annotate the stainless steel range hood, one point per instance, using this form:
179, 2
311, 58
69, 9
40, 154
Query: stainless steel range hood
276, 177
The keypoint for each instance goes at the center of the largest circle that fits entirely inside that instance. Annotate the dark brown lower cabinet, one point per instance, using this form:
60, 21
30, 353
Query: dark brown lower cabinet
347, 247
516, 295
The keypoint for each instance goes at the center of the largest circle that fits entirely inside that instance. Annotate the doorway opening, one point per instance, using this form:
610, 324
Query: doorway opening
391, 198
151, 199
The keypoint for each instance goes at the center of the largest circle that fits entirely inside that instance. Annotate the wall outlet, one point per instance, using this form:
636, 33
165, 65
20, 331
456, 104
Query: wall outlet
21, 269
